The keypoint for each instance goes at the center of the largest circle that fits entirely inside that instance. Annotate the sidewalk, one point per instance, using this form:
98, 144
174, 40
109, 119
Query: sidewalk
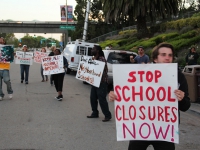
195, 107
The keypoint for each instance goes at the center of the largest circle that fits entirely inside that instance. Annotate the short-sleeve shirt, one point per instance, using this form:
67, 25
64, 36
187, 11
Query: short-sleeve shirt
143, 59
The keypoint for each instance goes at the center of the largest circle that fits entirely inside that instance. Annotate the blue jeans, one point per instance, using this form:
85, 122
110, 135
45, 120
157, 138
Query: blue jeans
5, 75
24, 69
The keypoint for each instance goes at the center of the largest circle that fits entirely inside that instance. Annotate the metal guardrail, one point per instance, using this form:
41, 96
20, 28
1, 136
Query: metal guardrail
113, 33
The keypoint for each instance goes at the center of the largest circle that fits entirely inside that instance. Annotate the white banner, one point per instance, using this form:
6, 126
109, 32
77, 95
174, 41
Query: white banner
52, 64
90, 70
146, 108
25, 58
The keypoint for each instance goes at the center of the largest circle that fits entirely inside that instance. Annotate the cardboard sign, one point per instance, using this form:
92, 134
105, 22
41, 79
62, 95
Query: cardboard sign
25, 58
38, 56
6, 53
52, 64
146, 108
90, 70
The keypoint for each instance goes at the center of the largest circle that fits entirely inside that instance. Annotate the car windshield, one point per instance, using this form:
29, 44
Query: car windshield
119, 58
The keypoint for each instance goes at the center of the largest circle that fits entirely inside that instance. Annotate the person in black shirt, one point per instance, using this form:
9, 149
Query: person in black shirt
59, 78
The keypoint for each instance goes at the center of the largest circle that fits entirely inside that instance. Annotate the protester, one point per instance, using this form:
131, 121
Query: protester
41, 70
163, 53
99, 93
59, 78
51, 54
5, 75
141, 58
24, 67
192, 57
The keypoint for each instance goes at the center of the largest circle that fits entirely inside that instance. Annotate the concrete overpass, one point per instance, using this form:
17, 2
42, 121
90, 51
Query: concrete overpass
33, 27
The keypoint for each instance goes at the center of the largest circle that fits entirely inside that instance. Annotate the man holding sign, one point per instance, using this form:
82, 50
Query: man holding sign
99, 93
153, 115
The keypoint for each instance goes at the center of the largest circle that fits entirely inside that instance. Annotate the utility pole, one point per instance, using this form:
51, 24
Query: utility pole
86, 21
66, 34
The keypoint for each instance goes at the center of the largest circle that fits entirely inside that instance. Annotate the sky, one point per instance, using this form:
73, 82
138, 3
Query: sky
29, 10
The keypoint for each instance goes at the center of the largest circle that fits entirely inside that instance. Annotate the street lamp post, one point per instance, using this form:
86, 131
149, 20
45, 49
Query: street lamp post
66, 34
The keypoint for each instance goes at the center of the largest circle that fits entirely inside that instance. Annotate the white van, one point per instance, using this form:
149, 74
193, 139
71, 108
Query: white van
73, 52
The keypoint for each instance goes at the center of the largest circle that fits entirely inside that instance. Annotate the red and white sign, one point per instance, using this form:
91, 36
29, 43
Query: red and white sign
90, 70
38, 56
52, 65
146, 108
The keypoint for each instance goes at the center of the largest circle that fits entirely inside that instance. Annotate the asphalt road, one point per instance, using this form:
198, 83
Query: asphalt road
33, 119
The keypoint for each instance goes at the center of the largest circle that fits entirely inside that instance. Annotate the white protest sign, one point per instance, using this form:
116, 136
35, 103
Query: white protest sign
90, 70
20, 53
146, 108
52, 64
38, 56
28, 54
25, 58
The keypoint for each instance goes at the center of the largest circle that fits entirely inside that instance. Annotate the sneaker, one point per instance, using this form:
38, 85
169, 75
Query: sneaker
21, 81
10, 96
59, 98
1, 98
26, 82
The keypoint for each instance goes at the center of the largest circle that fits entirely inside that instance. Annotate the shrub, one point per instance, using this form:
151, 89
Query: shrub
186, 29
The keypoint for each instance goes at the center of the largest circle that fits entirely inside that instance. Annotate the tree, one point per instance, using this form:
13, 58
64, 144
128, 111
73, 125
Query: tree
139, 10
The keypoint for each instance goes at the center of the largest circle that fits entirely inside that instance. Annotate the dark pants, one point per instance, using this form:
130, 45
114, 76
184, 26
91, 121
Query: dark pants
100, 94
58, 81
158, 145
24, 69
51, 79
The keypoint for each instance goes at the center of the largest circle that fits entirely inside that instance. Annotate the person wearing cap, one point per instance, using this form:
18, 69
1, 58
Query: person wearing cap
141, 58
5, 75
24, 69
59, 78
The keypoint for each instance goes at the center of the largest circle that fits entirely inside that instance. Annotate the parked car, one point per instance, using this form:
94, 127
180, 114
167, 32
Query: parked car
116, 57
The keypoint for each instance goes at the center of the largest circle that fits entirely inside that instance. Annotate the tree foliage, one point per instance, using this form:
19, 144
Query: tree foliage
139, 10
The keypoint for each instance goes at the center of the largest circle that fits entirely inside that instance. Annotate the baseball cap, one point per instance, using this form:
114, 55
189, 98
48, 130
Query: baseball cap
24, 46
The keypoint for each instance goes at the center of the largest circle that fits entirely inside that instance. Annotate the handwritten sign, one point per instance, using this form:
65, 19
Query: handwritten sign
38, 56
6, 53
25, 58
146, 108
90, 70
52, 64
